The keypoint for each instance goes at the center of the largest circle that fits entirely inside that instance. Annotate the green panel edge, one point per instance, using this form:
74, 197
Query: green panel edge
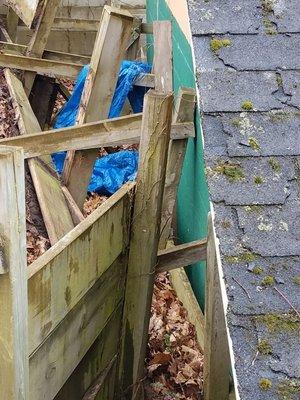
193, 198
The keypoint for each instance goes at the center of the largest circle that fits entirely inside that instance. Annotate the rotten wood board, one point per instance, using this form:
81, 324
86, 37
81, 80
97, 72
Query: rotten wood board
181, 255
14, 376
64, 348
114, 132
60, 277
144, 240
112, 38
40, 66
47, 186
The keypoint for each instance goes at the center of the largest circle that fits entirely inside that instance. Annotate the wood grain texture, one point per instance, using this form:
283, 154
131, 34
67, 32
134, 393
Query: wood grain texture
163, 57
216, 350
53, 362
26, 9
47, 186
113, 132
95, 361
13, 283
112, 38
39, 38
20, 49
184, 112
12, 20
40, 66
181, 255
60, 278
145, 230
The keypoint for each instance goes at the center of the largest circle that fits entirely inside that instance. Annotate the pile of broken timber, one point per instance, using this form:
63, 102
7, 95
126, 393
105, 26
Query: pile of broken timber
67, 316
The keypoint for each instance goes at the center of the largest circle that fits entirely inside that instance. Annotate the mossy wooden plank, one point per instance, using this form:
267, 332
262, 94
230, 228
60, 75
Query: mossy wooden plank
95, 361
144, 238
112, 38
40, 66
47, 186
13, 283
54, 361
60, 278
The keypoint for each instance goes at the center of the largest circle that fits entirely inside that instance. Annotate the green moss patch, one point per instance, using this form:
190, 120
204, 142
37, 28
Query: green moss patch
247, 105
233, 172
279, 322
287, 389
241, 258
216, 44
264, 347
257, 270
268, 281
265, 384
275, 165
297, 280
254, 143
258, 180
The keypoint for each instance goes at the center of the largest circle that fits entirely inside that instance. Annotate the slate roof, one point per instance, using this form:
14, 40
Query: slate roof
253, 172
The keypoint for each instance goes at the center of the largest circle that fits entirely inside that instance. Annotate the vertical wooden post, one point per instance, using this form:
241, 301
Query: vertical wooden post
216, 350
144, 238
109, 51
39, 38
12, 20
162, 64
184, 112
14, 359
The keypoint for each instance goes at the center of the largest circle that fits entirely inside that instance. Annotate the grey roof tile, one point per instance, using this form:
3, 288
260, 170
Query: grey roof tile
225, 91
276, 132
222, 16
244, 181
262, 52
286, 15
291, 86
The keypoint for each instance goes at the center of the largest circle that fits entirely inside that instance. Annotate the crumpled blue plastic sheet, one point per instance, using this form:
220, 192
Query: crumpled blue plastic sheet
111, 171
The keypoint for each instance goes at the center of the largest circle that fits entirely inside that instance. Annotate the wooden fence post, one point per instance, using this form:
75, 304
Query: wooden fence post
216, 351
154, 143
14, 359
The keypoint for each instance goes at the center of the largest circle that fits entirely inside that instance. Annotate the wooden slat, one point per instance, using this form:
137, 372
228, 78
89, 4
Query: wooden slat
47, 186
20, 49
162, 64
13, 282
61, 276
39, 38
185, 294
40, 66
144, 237
145, 80
12, 20
95, 361
216, 350
112, 38
26, 9
181, 255
53, 362
113, 132
184, 112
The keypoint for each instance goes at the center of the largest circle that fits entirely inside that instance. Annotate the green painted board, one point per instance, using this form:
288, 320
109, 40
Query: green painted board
193, 199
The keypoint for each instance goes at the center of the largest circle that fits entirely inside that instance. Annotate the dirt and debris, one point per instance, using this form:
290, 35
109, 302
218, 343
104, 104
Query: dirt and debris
92, 202
174, 359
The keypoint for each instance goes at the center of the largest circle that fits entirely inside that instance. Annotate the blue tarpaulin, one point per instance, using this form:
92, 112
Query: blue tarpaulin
111, 171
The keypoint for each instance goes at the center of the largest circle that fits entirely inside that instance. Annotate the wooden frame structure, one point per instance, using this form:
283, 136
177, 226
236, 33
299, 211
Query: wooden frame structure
63, 315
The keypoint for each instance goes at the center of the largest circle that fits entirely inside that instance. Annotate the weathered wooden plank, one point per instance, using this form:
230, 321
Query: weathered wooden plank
112, 38
145, 80
16, 48
185, 294
216, 350
163, 62
40, 66
181, 255
75, 212
12, 20
144, 237
113, 132
53, 362
184, 112
61, 276
25, 9
39, 38
47, 186
13, 283
95, 361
